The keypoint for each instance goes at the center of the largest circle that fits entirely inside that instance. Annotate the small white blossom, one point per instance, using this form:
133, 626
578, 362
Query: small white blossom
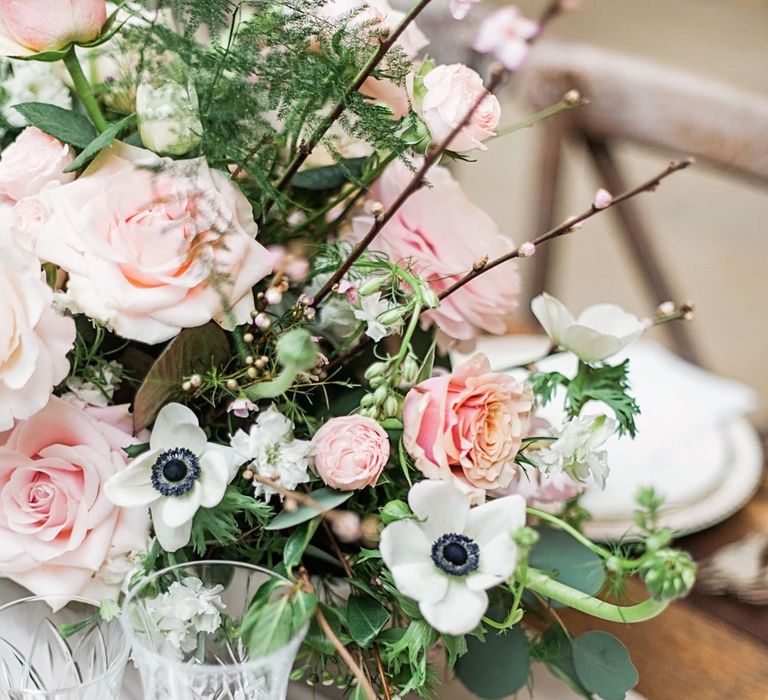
84, 393
118, 571
371, 308
33, 81
577, 450
185, 610
270, 450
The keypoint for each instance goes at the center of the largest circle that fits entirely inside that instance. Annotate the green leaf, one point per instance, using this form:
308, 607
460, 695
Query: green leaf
102, 141
365, 618
606, 383
64, 124
544, 384
329, 177
567, 560
326, 499
428, 364
558, 656
298, 541
193, 350
603, 665
498, 667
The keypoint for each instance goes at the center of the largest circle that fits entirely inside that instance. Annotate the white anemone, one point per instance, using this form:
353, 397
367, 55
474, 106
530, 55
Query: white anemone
600, 331
180, 473
452, 554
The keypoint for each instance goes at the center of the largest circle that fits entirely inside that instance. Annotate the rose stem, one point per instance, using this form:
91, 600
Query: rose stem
83, 90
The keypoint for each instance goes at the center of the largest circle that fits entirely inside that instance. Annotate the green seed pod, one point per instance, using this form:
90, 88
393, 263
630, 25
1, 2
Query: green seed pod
377, 369
373, 285
668, 574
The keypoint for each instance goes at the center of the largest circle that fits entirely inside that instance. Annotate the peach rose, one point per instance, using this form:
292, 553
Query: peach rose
57, 526
440, 233
34, 339
30, 26
450, 92
154, 245
350, 452
31, 162
467, 426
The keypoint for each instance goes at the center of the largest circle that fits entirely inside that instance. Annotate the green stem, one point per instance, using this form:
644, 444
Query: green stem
535, 118
275, 387
83, 90
539, 582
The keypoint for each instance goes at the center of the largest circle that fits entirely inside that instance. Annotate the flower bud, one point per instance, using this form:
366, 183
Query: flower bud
391, 406
429, 298
297, 349
668, 574
409, 370
377, 369
380, 394
168, 117
393, 316
373, 285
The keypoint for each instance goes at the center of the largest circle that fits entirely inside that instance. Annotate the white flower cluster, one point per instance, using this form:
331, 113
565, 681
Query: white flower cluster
577, 450
270, 450
98, 393
32, 81
185, 610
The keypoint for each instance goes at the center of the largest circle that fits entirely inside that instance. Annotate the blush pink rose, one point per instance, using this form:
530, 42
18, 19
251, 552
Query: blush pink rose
30, 26
450, 92
350, 452
56, 524
34, 339
33, 161
440, 233
468, 426
154, 245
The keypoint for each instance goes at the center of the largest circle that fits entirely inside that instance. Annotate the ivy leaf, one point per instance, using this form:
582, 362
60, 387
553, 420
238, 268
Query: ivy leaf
497, 667
192, 350
325, 498
102, 141
64, 124
365, 618
603, 665
606, 383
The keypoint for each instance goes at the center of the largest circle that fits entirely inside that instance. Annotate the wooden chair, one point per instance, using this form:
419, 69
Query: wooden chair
636, 101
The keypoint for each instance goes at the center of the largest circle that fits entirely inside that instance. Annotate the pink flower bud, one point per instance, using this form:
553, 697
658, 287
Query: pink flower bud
527, 249
603, 199
48, 25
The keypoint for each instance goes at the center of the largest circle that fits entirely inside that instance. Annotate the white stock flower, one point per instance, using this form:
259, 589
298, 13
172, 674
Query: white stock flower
371, 308
169, 117
180, 473
270, 450
186, 609
33, 81
600, 331
447, 558
84, 392
577, 450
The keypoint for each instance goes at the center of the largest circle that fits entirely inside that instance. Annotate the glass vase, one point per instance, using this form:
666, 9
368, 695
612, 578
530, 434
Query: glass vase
183, 622
59, 648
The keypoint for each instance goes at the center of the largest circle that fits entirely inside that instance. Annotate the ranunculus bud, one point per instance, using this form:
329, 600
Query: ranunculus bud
169, 118
49, 25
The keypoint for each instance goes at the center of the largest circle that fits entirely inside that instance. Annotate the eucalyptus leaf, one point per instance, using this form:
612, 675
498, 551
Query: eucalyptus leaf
325, 498
102, 141
298, 541
64, 124
603, 665
365, 618
329, 177
559, 658
498, 667
192, 350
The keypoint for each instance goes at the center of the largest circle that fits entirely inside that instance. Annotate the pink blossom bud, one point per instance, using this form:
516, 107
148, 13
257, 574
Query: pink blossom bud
262, 321
460, 8
49, 25
346, 526
273, 295
506, 34
666, 308
242, 407
603, 199
527, 249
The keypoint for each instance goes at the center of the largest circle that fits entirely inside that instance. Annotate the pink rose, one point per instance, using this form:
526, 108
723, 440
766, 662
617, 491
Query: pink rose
350, 452
57, 526
30, 26
34, 339
467, 426
441, 233
31, 162
154, 245
450, 92
506, 34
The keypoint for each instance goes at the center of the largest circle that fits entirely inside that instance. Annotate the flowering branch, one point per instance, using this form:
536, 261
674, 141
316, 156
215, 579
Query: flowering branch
385, 44
572, 224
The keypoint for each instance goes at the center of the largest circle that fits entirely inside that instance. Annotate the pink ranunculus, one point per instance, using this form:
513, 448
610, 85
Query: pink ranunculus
450, 92
468, 426
34, 339
30, 26
440, 233
56, 524
350, 452
33, 161
154, 245
506, 34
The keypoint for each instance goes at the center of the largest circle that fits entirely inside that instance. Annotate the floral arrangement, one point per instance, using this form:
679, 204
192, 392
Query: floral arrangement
233, 259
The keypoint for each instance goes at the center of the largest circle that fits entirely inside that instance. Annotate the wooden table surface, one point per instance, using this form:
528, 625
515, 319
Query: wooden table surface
704, 647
